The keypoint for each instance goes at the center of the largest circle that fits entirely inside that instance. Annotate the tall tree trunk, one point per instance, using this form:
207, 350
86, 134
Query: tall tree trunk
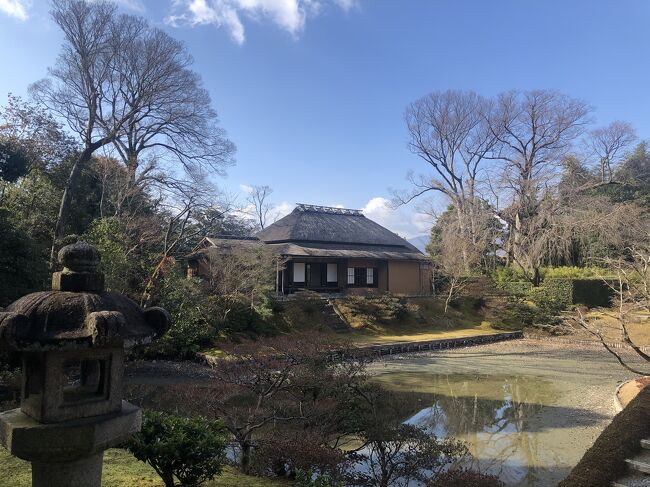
609, 173
64, 208
245, 464
132, 169
168, 479
462, 228
450, 294
537, 278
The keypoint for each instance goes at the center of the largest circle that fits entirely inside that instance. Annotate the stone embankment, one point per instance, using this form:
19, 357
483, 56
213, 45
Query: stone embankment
408, 347
441, 344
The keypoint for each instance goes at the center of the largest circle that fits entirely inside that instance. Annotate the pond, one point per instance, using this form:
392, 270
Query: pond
528, 410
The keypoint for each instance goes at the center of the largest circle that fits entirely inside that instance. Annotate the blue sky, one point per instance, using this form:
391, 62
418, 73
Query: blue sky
313, 91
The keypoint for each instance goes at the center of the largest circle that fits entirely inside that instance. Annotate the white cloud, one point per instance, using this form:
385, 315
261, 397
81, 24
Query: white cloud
15, 8
289, 15
135, 5
276, 211
347, 4
280, 210
403, 220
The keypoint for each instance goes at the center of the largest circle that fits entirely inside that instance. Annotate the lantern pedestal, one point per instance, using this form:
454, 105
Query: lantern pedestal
67, 453
82, 473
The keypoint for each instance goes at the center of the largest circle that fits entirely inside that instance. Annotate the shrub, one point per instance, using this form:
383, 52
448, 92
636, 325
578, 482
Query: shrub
465, 478
10, 380
376, 310
572, 273
402, 453
23, 261
109, 236
561, 293
191, 450
309, 478
192, 319
554, 295
393, 308
526, 314
287, 451
508, 274
233, 316
516, 288
512, 274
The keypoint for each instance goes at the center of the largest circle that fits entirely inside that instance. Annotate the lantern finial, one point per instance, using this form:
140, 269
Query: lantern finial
80, 269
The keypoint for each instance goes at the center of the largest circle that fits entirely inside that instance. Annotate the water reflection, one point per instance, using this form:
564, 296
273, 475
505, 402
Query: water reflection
509, 422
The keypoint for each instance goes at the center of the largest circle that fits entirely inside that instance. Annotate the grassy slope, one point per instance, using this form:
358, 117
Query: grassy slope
121, 469
605, 320
370, 322
426, 320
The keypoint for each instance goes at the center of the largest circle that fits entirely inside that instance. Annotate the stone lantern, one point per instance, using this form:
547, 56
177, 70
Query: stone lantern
72, 341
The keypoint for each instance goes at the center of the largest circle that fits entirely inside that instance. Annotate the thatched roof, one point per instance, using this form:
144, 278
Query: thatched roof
307, 223
350, 251
320, 231
223, 243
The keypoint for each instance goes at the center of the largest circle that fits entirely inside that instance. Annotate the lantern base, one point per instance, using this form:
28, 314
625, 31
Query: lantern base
86, 472
70, 451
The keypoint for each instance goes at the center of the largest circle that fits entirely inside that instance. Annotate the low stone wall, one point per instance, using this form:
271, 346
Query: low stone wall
421, 346
406, 347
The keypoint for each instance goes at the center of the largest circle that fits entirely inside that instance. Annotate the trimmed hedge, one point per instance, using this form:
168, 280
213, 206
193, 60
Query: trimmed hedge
592, 293
562, 293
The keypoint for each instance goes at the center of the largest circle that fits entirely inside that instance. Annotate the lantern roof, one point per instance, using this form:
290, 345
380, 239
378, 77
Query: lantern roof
78, 312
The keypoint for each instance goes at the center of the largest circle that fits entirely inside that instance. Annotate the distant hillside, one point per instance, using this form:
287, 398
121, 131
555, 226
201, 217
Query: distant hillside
420, 242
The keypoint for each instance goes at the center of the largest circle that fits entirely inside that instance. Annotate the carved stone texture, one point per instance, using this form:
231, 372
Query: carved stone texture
72, 340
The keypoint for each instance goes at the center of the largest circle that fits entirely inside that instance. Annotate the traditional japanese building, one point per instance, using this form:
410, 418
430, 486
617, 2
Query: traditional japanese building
333, 250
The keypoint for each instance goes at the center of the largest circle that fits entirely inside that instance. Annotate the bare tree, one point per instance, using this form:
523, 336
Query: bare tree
394, 453
450, 253
631, 291
608, 145
170, 111
36, 132
540, 236
260, 206
79, 84
450, 132
237, 268
30, 139
180, 202
118, 82
535, 130
558, 224
260, 385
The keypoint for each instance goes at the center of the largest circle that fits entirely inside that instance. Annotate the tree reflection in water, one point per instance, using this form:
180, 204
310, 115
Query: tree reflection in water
502, 419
